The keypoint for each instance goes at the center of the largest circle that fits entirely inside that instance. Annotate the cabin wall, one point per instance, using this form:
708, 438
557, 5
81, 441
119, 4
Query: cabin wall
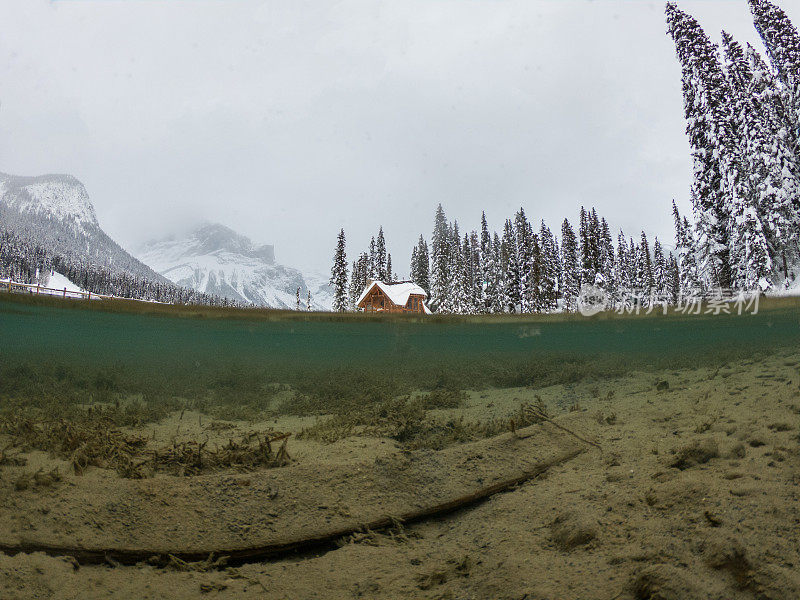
377, 301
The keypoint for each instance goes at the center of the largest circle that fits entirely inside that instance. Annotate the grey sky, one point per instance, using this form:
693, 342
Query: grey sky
287, 120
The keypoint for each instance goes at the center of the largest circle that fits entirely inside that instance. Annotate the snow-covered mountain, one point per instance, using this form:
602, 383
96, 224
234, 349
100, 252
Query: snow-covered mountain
216, 260
55, 212
61, 197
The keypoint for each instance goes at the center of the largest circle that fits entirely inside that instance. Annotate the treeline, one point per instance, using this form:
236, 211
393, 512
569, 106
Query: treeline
743, 123
523, 269
25, 261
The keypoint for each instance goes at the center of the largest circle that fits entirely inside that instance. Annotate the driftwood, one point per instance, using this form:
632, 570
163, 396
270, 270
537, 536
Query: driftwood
541, 415
319, 541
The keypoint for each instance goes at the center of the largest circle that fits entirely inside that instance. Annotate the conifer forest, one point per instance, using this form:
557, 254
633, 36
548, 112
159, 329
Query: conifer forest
743, 125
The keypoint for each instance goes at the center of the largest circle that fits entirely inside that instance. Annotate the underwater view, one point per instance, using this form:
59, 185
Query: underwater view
249, 453
388, 300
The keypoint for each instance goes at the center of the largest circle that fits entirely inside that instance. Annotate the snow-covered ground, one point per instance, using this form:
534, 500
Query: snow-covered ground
60, 282
57, 285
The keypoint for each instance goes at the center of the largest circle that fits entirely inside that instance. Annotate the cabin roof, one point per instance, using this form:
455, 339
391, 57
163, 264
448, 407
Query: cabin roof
398, 293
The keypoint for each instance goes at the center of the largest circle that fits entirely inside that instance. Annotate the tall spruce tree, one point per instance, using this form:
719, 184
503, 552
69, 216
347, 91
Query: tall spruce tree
354, 290
476, 268
498, 298
413, 273
645, 266
486, 264
713, 140
781, 39
550, 269
659, 271
509, 263
759, 191
372, 270
338, 276
689, 282
571, 267
587, 274
381, 270
421, 269
455, 297
606, 258
440, 259
523, 236
533, 282
622, 266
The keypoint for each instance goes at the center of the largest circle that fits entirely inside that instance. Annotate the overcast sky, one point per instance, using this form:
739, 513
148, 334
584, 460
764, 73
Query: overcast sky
287, 120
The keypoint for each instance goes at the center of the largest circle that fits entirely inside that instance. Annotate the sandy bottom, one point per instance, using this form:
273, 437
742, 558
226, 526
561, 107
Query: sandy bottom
694, 495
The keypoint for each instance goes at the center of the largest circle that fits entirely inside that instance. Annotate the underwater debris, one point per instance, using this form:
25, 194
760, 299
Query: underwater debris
192, 458
7, 459
696, 453
100, 444
538, 413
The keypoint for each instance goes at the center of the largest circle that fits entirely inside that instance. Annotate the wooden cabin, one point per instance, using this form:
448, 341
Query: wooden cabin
393, 297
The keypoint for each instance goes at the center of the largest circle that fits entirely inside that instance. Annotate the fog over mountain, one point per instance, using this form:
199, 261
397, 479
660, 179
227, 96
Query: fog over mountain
216, 260
55, 212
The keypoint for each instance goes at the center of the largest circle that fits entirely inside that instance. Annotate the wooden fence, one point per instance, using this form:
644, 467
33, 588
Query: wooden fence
31, 288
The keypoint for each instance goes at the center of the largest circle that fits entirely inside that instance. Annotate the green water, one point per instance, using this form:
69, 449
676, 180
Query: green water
521, 351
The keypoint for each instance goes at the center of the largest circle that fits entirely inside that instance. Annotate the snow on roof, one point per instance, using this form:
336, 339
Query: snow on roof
396, 292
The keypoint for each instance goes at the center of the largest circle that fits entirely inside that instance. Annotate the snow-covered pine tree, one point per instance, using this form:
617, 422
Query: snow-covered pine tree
381, 270
389, 275
523, 236
486, 263
659, 272
308, 301
646, 267
759, 190
440, 259
455, 298
606, 258
673, 284
509, 264
533, 287
634, 267
338, 276
571, 267
298, 299
783, 130
781, 39
477, 295
594, 242
623, 269
559, 269
468, 277
372, 267
354, 291
713, 141
587, 273
549, 270
689, 282
413, 272
423, 266
496, 289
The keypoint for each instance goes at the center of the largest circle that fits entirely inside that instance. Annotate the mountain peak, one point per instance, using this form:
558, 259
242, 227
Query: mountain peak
215, 237
216, 260
61, 197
